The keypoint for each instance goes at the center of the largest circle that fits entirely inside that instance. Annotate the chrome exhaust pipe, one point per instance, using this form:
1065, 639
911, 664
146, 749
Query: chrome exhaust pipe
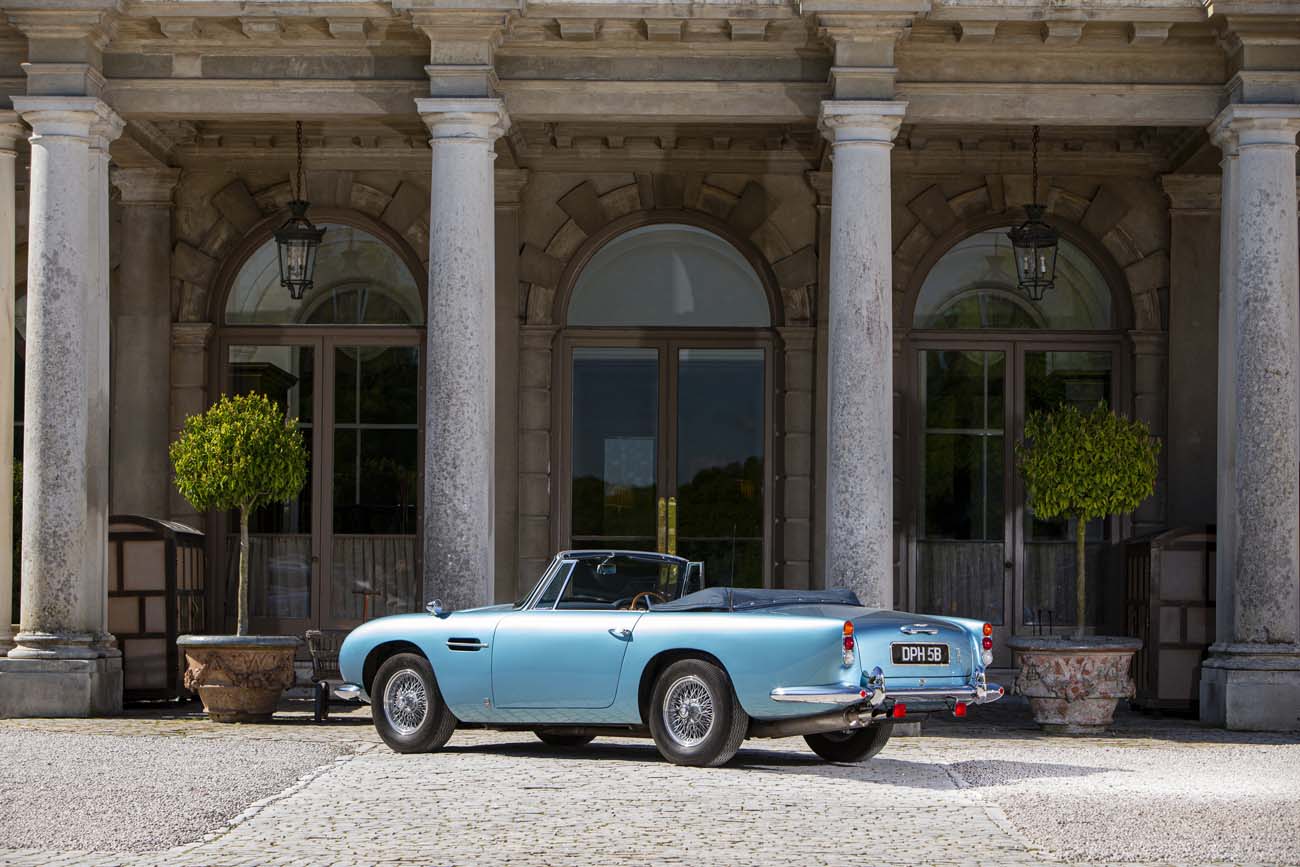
832, 721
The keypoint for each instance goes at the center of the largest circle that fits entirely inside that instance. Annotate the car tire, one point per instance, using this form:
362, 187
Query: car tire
558, 740
851, 746
409, 712
694, 715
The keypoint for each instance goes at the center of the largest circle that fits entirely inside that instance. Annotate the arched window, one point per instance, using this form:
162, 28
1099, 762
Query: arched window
669, 275
974, 286
360, 280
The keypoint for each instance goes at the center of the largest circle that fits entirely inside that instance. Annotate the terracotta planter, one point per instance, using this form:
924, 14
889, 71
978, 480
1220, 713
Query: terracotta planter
239, 677
1074, 684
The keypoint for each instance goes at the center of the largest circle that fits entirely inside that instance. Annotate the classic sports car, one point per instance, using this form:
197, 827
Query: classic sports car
628, 643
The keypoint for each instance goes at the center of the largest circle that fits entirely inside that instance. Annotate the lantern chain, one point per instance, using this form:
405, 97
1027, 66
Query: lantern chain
1033, 180
300, 190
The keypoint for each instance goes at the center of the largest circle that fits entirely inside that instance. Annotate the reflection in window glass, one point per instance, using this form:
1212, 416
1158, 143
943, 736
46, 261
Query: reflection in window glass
669, 275
961, 546
1083, 379
974, 286
358, 280
279, 561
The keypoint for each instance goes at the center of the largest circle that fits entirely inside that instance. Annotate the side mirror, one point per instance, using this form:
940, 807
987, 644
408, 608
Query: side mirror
435, 608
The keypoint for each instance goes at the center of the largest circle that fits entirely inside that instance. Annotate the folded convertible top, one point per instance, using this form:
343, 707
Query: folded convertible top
745, 599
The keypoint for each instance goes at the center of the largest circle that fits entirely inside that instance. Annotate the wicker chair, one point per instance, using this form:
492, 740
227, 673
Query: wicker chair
323, 645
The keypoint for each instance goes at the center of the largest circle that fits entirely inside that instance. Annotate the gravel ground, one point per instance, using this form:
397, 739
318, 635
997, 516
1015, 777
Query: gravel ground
65, 791
1150, 791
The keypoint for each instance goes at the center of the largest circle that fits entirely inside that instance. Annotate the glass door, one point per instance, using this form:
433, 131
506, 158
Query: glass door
667, 451
347, 548
962, 561
283, 550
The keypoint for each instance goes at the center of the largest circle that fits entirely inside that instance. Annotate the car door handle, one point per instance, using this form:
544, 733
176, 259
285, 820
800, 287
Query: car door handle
918, 629
621, 634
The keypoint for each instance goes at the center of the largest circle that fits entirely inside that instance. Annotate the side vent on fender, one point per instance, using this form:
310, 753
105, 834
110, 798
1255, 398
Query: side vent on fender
464, 644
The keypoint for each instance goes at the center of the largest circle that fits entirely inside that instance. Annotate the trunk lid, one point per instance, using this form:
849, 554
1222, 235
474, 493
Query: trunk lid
877, 631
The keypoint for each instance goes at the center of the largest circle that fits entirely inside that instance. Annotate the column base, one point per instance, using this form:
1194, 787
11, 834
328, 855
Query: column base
60, 687
1252, 687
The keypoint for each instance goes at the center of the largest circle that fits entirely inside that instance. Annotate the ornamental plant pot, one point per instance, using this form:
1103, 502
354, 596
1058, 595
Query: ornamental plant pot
239, 678
1073, 684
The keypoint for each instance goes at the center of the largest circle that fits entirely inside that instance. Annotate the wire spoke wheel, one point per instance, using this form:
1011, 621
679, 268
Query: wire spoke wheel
688, 710
406, 702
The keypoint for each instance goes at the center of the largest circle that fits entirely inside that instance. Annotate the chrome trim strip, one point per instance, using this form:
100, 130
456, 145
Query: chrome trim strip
819, 694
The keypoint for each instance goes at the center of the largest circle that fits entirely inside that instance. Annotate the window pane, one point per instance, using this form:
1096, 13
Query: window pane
615, 447
358, 280
720, 414
670, 275
279, 563
974, 286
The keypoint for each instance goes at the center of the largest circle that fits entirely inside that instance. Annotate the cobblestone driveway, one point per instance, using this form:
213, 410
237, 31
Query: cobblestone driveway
494, 798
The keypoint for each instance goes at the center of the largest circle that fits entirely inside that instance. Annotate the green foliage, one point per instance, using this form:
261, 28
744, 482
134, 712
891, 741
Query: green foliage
242, 453
1086, 466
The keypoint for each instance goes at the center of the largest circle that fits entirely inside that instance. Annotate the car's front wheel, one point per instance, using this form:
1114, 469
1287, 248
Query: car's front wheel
694, 715
408, 710
851, 746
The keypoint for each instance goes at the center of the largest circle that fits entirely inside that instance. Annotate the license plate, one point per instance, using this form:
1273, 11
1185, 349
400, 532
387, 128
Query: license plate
920, 654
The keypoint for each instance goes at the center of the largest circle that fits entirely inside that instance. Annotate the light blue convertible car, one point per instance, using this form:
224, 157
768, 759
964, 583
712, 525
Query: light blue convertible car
624, 643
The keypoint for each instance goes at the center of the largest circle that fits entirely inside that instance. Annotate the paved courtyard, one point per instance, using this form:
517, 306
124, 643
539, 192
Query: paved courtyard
174, 789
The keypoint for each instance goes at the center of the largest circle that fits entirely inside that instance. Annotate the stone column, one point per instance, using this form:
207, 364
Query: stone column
10, 131
59, 666
1252, 679
460, 352
141, 368
860, 380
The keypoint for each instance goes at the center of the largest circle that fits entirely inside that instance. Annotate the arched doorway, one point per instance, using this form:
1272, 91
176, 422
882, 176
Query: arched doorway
666, 365
982, 357
346, 361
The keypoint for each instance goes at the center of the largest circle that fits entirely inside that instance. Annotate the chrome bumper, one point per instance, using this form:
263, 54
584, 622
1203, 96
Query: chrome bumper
350, 691
876, 693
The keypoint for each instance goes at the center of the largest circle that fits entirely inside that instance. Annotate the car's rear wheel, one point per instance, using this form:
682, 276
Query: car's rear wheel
694, 715
851, 746
408, 710
558, 740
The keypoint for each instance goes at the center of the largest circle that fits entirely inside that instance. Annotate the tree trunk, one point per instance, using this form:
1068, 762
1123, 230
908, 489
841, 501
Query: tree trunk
241, 625
1080, 592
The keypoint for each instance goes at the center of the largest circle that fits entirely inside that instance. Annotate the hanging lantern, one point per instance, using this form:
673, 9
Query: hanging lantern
297, 241
1034, 244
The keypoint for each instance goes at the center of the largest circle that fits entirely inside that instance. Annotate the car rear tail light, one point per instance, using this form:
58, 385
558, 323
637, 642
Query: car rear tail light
899, 711
986, 658
959, 709
988, 629
988, 644
849, 643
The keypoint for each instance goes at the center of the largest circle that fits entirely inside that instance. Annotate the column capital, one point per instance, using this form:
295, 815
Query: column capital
1250, 125
464, 119
1192, 192
191, 336
864, 121
77, 116
11, 130
146, 186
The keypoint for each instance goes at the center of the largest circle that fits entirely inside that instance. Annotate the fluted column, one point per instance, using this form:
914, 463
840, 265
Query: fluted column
10, 131
859, 470
460, 352
1252, 679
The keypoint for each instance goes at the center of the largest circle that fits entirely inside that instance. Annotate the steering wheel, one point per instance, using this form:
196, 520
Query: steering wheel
646, 594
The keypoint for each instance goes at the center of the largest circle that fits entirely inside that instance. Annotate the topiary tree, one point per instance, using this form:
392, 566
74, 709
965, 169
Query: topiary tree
1086, 466
242, 453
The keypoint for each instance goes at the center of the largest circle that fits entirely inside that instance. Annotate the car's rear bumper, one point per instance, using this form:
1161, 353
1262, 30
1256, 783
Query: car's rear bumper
876, 693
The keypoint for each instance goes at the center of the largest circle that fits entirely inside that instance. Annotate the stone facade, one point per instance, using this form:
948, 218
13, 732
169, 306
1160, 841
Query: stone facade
841, 148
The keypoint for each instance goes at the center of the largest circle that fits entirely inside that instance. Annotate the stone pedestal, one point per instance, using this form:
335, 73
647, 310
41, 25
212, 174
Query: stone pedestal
460, 352
860, 429
60, 687
1252, 678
